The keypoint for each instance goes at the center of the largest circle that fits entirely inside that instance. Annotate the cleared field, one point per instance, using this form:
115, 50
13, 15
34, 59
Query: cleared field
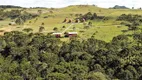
102, 30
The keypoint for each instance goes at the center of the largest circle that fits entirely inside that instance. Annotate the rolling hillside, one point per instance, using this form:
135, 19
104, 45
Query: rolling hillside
53, 17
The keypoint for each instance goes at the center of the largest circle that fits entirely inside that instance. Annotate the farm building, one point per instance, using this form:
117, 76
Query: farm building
71, 34
57, 35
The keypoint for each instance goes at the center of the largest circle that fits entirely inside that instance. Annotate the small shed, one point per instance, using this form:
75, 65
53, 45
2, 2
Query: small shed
57, 35
72, 34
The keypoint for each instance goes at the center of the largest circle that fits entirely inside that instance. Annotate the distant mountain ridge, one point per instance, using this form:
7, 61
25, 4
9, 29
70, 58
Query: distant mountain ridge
119, 7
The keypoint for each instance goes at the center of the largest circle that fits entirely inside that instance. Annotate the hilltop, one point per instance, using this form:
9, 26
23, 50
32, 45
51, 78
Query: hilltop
120, 7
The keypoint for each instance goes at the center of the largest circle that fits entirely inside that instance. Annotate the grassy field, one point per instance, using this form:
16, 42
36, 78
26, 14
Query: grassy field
102, 30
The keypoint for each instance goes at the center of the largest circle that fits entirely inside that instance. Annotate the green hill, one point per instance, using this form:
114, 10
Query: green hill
53, 17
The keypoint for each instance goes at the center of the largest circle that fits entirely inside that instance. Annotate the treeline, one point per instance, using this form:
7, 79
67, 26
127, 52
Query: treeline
9, 6
24, 17
130, 17
19, 16
130, 20
92, 16
35, 56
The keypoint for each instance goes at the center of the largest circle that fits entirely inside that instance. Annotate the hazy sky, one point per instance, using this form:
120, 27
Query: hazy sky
63, 3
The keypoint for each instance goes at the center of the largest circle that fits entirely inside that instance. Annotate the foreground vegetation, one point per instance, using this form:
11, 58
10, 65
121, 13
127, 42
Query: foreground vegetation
40, 57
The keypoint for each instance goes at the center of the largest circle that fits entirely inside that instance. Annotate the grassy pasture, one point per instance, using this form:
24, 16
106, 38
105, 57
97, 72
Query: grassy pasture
102, 30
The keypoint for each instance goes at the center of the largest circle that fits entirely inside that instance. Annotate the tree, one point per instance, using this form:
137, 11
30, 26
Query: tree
94, 16
97, 68
140, 78
133, 71
139, 70
24, 17
39, 12
55, 29
58, 76
138, 38
49, 58
2, 44
28, 30
88, 16
19, 21
90, 24
76, 71
126, 75
110, 72
41, 29
120, 42
13, 14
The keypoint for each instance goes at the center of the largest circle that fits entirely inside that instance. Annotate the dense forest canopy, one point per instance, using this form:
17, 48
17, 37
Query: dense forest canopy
29, 56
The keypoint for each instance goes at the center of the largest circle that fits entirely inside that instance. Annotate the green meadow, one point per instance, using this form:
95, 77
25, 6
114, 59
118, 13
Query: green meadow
53, 17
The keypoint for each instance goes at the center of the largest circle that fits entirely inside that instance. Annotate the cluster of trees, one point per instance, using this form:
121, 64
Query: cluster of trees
39, 57
132, 21
18, 16
13, 14
130, 17
24, 17
91, 16
1, 13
